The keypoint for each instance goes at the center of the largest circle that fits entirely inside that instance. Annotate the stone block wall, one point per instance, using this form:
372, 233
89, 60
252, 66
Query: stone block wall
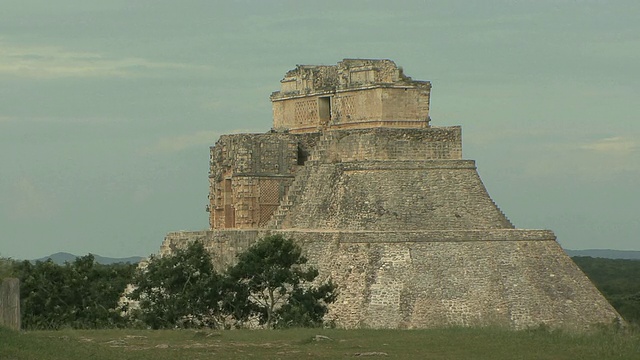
299, 114
360, 72
421, 279
385, 195
443, 143
395, 107
10, 315
270, 153
388, 106
356, 106
405, 103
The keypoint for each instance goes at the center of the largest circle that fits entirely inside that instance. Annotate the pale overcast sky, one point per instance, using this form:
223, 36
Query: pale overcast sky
107, 108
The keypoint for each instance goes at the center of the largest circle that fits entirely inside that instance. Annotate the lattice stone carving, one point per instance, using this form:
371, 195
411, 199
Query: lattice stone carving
306, 111
269, 199
348, 105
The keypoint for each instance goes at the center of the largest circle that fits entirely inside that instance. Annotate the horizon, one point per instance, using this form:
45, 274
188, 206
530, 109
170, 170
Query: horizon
109, 109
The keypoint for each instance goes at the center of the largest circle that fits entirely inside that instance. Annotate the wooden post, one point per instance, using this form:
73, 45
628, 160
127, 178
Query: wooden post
10, 304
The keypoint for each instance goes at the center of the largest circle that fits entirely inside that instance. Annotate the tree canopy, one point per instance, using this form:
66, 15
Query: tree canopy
181, 289
270, 284
273, 274
619, 282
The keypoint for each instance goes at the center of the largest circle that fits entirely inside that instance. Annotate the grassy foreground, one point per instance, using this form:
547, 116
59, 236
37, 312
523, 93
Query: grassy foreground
453, 343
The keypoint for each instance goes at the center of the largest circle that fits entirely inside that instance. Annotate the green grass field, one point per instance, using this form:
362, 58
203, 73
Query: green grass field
453, 343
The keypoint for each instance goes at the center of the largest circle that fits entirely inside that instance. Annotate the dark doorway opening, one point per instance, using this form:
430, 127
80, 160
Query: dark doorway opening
324, 109
303, 155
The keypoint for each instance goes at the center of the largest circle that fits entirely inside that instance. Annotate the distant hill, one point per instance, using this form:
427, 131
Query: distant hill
62, 257
605, 253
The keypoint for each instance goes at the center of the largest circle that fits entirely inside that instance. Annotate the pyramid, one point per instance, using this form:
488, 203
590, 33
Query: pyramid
384, 204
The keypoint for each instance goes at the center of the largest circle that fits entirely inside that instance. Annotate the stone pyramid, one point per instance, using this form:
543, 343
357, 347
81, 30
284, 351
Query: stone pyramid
384, 205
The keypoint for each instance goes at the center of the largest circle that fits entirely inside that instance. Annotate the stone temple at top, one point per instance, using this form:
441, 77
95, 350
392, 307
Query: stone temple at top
383, 204
355, 94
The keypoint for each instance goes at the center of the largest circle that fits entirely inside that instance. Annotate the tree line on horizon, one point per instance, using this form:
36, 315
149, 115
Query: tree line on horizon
618, 280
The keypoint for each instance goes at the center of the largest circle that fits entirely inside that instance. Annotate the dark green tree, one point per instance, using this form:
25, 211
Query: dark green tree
273, 283
179, 290
619, 282
80, 294
306, 307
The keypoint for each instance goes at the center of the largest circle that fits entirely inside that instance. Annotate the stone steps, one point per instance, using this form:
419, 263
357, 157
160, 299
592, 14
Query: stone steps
290, 198
317, 154
510, 224
320, 150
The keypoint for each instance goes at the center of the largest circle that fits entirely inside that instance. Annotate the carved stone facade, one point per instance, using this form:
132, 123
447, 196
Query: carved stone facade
248, 176
354, 94
384, 204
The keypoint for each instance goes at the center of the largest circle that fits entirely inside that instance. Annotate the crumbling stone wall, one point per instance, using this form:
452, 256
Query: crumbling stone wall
250, 174
434, 143
248, 177
355, 93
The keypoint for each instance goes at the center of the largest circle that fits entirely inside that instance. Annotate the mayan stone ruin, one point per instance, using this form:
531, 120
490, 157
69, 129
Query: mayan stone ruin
383, 203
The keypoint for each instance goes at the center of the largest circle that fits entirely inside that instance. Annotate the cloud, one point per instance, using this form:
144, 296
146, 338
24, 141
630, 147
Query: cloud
62, 119
606, 159
612, 48
6, 119
181, 142
51, 62
30, 201
617, 145
141, 194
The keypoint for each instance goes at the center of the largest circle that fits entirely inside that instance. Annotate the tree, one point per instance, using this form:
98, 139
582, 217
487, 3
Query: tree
276, 286
181, 289
306, 307
617, 279
81, 294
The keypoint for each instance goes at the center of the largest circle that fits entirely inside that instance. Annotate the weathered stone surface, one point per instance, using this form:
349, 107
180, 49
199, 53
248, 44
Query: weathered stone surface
354, 94
384, 204
10, 304
382, 195
417, 279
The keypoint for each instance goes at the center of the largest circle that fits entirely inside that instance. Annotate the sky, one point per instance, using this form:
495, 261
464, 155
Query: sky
108, 108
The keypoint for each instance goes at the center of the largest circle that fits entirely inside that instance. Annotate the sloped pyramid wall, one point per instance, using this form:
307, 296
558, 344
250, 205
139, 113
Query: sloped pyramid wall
396, 195
418, 280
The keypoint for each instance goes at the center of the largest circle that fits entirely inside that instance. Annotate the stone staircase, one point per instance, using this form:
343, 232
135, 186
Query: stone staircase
508, 222
298, 185
295, 190
317, 155
320, 150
